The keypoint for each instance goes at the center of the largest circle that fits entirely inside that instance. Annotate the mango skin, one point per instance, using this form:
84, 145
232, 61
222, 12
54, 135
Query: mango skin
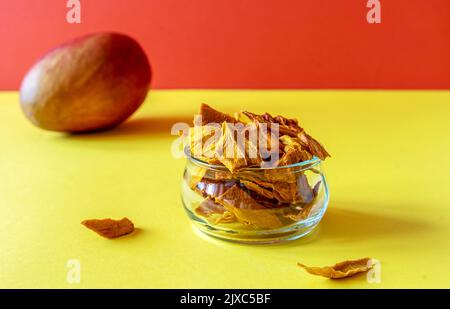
91, 83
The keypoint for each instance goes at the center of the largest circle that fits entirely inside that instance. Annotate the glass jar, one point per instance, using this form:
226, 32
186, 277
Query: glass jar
255, 205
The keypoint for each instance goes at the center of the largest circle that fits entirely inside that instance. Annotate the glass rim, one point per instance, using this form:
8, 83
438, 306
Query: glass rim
309, 163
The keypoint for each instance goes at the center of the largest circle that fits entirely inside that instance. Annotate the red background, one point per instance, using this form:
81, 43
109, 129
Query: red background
249, 43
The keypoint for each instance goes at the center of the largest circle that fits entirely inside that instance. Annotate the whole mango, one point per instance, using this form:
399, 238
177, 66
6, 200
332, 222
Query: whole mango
91, 83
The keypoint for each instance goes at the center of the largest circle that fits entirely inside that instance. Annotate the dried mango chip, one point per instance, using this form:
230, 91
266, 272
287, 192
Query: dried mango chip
247, 210
110, 228
220, 175
291, 128
226, 217
260, 218
237, 198
208, 207
302, 214
258, 189
294, 155
283, 185
241, 117
256, 177
294, 145
194, 176
289, 142
340, 270
285, 192
304, 191
210, 115
313, 146
213, 188
316, 188
285, 126
228, 150
214, 212
202, 143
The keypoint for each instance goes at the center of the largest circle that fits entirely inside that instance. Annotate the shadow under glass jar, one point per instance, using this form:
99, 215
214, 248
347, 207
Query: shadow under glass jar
255, 205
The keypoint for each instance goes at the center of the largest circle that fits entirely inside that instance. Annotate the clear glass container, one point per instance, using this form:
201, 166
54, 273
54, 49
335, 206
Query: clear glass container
255, 205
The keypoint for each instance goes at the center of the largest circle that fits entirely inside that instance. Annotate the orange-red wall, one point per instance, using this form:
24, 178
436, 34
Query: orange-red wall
249, 43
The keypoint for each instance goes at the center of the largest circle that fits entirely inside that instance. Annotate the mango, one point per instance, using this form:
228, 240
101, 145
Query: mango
90, 83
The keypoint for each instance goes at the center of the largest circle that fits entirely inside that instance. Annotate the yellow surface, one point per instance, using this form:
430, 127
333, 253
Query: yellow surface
389, 182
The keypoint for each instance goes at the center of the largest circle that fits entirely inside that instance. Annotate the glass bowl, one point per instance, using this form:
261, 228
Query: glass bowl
255, 205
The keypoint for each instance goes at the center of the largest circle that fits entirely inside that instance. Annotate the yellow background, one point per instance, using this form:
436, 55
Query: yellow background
389, 179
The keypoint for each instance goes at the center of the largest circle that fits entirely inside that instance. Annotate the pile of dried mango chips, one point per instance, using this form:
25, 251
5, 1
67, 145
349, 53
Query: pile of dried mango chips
251, 173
